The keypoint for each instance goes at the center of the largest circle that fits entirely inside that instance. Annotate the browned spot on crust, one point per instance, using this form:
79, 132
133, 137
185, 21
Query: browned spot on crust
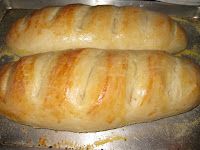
22, 76
152, 113
157, 83
159, 22
150, 83
65, 16
102, 94
3, 71
13, 33
107, 103
110, 119
126, 18
56, 95
16, 100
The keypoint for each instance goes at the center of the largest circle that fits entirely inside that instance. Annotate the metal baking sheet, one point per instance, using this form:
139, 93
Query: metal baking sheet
177, 132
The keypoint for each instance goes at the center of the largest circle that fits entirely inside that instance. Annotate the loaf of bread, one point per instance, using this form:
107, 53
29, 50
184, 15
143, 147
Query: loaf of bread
103, 27
94, 90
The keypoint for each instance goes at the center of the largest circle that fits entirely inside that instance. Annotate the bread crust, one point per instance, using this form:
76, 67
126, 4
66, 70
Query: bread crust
94, 90
103, 27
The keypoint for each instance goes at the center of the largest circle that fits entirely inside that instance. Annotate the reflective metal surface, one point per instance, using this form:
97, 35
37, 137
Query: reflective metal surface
178, 10
183, 2
177, 132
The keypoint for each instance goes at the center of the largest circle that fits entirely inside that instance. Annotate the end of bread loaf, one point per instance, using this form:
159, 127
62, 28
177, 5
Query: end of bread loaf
102, 27
180, 40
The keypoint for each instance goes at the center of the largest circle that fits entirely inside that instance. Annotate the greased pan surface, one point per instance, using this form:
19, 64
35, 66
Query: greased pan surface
178, 132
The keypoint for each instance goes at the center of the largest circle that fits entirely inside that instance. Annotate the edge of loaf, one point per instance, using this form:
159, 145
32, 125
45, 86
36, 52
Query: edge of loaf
103, 27
95, 90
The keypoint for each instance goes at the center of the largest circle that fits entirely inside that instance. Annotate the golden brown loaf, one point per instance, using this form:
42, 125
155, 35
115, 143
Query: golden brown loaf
93, 90
103, 27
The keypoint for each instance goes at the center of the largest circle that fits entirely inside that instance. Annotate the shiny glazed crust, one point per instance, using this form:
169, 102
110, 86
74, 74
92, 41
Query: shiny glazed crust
103, 27
94, 90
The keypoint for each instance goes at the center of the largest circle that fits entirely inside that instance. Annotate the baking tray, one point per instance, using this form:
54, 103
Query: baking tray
177, 132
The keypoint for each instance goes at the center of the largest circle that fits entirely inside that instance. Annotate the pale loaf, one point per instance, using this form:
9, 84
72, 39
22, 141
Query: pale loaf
103, 27
94, 90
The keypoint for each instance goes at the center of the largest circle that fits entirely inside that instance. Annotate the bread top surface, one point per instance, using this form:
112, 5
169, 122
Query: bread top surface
94, 90
103, 27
